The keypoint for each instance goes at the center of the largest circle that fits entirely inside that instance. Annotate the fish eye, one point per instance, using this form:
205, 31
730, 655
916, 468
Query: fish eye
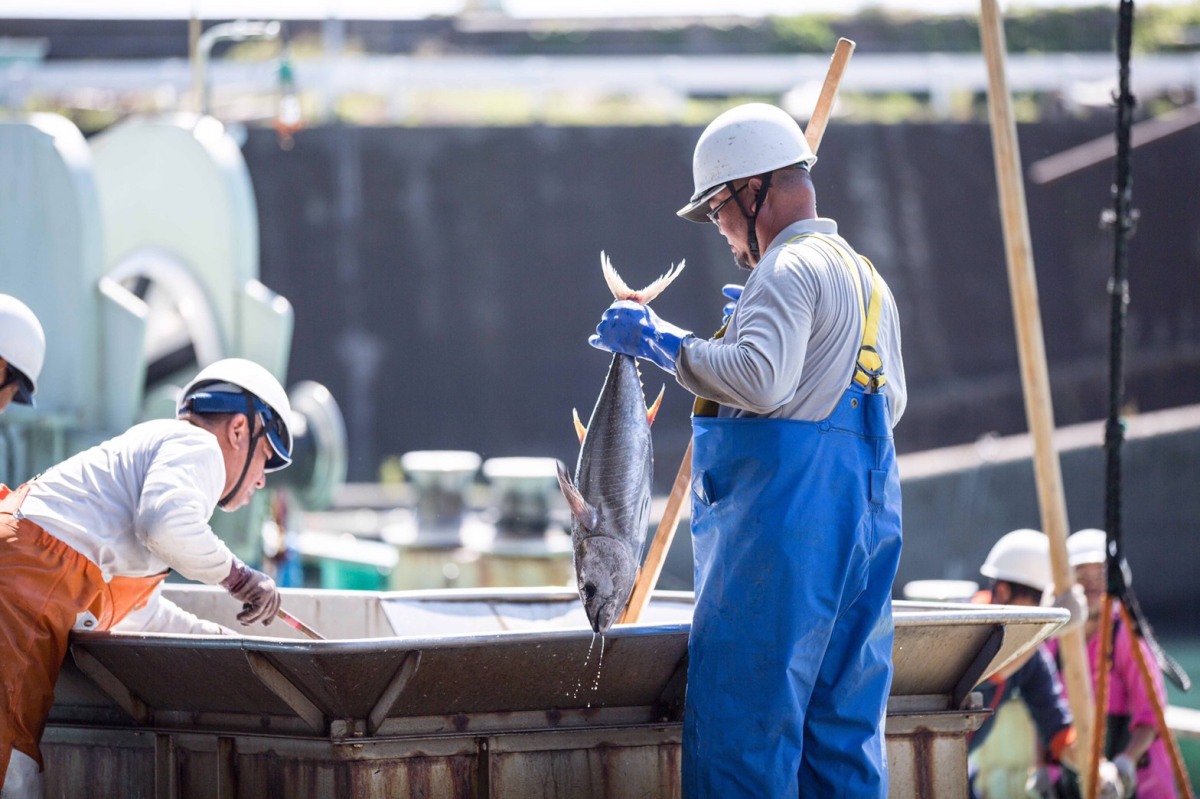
589, 591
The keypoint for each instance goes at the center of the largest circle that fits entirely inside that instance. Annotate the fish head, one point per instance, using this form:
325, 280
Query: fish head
605, 572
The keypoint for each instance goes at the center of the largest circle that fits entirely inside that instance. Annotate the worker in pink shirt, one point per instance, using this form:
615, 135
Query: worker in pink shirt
1132, 741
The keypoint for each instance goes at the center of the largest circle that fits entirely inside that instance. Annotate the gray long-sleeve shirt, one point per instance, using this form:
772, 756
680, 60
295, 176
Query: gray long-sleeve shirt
790, 349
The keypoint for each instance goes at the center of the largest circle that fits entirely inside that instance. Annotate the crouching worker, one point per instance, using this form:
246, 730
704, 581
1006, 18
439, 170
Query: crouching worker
1019, 568
91, 539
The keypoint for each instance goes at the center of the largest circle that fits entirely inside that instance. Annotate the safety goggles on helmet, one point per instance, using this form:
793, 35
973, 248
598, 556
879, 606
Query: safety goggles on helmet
24, 392
272, 425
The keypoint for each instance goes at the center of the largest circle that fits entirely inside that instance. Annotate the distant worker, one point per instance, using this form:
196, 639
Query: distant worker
22, 352
92, 538
1019, 567
796, 500
1132, 740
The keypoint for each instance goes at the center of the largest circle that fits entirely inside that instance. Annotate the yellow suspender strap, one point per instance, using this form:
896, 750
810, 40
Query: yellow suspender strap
703, 406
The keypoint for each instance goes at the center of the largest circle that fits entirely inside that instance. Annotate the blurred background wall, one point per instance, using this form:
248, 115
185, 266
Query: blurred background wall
445, 280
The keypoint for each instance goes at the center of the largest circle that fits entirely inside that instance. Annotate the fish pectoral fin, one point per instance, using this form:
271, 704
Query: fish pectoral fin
581, 509
652, 411
580, 430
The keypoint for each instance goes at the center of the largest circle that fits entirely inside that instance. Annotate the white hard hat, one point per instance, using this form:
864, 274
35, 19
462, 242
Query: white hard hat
221, 388
23, 345
1091, 546
1022, 556
1087, 546
745, 141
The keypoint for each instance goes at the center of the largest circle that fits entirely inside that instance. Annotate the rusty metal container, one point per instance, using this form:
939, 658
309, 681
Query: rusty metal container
460, 694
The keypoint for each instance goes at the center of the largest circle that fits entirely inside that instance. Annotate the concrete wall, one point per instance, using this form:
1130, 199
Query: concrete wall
959, 501
445, 281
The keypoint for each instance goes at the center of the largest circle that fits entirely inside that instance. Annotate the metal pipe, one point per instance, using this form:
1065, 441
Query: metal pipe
238, 31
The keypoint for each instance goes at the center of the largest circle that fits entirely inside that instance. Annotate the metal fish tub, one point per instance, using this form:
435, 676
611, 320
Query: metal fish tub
460, 693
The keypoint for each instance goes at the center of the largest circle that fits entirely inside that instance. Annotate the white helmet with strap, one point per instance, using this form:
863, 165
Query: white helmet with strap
236, 385
745, 141
22, 345
1023, 557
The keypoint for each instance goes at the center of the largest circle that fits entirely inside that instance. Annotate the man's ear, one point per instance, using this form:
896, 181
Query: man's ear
236, 430
1001, 593
753, 187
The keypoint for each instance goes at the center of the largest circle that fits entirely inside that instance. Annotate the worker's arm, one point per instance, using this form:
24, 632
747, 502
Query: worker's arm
182, 484
1140, 740
759, 368
179, 493
161, 615
1042, 691
1142, 720
1043, 694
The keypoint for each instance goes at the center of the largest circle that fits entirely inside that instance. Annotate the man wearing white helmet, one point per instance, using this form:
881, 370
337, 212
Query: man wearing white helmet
796, 506
89, 542
22, 352
1132, 736
1018, 566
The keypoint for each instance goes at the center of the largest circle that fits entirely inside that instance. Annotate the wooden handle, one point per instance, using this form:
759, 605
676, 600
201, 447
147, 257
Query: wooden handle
829, 89
648, 577
296, 624
1035, 380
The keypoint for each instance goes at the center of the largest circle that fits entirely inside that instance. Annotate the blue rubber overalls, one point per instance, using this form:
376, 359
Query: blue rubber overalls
796, 531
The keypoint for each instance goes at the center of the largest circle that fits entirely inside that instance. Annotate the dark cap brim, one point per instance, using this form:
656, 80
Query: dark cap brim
25, 390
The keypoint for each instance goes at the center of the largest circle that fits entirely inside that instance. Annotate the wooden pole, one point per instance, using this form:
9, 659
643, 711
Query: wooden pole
829, 89
1104, 672
648, 577
1035, 380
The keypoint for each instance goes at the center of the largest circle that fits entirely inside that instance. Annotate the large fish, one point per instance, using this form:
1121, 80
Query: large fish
610, 495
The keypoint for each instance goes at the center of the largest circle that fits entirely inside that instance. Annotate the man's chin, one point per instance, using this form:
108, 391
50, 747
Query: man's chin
237, 503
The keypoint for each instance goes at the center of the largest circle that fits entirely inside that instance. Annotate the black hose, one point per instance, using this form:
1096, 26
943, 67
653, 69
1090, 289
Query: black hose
1118, 289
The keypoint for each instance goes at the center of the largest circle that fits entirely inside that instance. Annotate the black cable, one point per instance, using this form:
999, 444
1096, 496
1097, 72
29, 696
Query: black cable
1122, 218
1118, 289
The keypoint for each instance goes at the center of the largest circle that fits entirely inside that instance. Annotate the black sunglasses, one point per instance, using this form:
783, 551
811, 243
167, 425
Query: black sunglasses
715, 213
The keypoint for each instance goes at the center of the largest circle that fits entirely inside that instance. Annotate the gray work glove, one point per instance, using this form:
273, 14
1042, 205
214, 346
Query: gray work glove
1128, 771
1075, 601
1111, 785
257, 592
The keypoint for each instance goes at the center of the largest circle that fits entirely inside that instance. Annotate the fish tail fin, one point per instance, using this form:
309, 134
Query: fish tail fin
615, 284
652, 411
646, 295
622, 291
580, 430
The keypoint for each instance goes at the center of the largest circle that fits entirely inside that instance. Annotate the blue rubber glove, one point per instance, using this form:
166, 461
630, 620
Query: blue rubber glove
734, 292
633, 329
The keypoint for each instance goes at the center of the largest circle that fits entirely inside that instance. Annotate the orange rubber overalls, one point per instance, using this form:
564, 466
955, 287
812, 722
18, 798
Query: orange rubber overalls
44, 586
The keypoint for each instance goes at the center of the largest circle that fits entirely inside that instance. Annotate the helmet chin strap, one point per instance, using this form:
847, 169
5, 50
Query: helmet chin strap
752, 219
254, 437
